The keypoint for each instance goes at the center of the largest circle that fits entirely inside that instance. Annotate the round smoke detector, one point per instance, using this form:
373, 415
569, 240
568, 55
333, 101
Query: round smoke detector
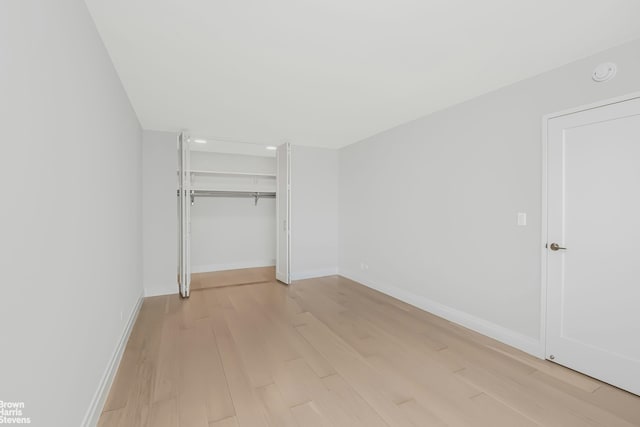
605, 71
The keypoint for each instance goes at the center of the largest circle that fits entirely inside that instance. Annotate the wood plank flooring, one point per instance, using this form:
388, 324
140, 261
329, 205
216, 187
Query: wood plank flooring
214, 279
331, 352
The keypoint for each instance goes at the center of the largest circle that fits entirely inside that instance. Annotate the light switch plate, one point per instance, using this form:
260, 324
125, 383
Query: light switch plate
522, 219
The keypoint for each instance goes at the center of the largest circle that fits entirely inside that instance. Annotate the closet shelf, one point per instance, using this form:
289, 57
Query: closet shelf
260, 189
227, 173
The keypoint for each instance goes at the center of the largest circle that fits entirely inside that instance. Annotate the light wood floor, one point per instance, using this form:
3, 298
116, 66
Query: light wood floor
242, 276
330, 352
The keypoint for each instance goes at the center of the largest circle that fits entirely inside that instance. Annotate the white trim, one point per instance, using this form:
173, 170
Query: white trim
206, 268
312, 274
592, 105
544, 202
515, 339
543, 242
289, 209
100, 396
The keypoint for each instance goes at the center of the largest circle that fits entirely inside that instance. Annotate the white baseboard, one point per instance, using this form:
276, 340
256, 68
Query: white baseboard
507, 336
205, 268
97, 403
311, 274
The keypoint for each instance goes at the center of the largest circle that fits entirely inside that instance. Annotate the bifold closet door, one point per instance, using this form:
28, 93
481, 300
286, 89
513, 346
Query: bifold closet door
283, 213
184, 215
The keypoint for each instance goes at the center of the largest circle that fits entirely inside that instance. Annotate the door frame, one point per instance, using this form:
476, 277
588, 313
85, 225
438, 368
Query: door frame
544, 252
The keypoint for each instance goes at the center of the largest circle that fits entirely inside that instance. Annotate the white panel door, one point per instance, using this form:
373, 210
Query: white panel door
593, 256
184, 215
283, 213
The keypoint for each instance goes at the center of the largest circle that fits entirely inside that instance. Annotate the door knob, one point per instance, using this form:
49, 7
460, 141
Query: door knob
556, 247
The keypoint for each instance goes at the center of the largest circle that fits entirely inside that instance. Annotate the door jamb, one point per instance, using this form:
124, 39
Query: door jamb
544, 204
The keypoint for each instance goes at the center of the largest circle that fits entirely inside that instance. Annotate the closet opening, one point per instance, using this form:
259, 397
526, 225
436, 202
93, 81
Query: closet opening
234, 213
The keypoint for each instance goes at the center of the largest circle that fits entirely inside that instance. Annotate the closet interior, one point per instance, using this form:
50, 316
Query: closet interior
233, 220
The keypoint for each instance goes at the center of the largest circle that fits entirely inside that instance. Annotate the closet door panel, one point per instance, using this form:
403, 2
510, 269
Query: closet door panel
283, 213
184, 206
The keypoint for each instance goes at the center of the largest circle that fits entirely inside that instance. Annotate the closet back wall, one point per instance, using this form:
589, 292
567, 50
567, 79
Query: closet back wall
229, 233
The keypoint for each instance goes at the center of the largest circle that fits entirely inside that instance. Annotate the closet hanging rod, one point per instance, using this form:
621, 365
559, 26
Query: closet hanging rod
230, 193
226, 193
255, 195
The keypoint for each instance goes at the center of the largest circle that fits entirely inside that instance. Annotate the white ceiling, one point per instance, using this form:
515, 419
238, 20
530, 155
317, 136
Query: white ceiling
332, 72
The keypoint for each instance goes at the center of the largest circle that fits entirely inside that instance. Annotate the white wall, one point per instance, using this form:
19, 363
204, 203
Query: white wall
430, 207
159, 212
230, 233
229, 162
71, 209
314, 212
